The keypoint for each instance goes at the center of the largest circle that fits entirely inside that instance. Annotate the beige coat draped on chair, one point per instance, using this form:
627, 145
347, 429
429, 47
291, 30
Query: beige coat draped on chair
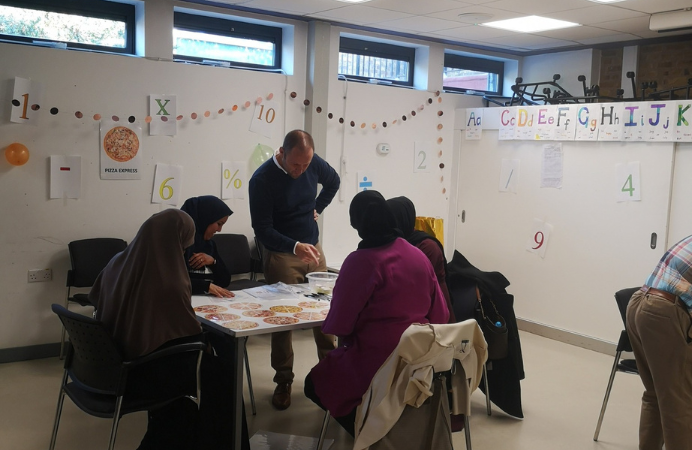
406, 376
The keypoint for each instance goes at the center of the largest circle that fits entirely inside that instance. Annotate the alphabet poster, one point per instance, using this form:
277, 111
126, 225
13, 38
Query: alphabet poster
163, 112
474, 123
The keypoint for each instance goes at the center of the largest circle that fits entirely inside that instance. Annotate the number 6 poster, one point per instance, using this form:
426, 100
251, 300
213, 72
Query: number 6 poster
168, 181
538, 241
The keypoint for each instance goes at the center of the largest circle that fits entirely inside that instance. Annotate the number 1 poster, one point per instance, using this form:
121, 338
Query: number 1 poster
26, 101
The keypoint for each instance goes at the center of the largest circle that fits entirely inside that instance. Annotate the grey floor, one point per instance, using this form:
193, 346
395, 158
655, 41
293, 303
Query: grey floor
562, 396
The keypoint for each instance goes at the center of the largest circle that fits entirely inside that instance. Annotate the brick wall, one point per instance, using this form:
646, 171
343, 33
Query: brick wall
670, 65
611, 72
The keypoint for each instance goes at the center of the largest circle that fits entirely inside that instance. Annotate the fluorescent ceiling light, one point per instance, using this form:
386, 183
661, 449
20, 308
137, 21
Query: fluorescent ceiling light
606, 1
530, 24
359, 1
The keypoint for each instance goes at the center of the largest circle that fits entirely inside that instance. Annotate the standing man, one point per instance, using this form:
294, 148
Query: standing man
284, 207
660, 328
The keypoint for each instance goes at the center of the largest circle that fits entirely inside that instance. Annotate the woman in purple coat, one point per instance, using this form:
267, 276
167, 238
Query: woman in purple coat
383, 287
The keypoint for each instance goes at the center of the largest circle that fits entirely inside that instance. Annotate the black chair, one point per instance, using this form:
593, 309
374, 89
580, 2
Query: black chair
88, 258
235, 252
622, 297
98, 373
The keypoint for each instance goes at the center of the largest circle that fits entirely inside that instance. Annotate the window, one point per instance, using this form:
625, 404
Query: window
464, 73
202, 38
87, 24
365, 60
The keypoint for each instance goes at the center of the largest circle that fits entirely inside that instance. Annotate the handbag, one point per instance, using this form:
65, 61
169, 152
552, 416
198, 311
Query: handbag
493, 326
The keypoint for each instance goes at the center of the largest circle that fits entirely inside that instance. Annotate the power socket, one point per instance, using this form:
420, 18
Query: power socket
40, 275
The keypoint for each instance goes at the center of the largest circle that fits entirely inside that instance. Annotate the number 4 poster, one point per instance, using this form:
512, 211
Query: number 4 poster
168, 182
538, 241
627, 182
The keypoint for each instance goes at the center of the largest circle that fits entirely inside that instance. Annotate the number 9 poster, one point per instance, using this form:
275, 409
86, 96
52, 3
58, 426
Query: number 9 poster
538, 241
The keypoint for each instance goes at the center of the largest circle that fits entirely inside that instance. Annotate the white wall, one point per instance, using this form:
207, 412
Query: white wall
569, 65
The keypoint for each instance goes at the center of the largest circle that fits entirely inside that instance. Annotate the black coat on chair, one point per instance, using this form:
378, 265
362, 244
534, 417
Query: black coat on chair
504, 374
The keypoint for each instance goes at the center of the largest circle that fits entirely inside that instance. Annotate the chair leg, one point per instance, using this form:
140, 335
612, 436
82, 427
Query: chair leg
62, 336
467, 432
607, 394
116, 421
58, 412
323, 431
249, 379
487, 388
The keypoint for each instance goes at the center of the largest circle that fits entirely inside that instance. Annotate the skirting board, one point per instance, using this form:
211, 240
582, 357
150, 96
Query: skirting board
30, 352
568, 337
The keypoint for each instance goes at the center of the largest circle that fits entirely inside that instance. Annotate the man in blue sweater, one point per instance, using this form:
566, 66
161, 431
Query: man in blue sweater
284, 207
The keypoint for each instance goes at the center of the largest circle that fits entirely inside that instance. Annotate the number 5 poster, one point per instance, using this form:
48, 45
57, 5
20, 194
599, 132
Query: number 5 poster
168, 182
121, 156
538, 241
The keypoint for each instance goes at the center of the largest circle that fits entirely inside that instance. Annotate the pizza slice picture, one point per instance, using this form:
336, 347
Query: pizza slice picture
221, 317
240, 325
286, 309
281, 320
259, 313
244, 305
208, 309
310, 315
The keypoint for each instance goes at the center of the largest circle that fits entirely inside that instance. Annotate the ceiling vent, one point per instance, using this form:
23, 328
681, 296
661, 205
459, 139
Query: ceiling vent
671, 21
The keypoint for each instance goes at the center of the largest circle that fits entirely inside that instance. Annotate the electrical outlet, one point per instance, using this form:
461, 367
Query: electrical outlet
40, 275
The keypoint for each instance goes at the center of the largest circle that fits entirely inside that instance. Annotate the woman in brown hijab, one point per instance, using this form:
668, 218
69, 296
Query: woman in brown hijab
144, 301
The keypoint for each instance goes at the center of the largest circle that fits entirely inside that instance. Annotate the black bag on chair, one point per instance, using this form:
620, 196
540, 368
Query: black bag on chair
493, 325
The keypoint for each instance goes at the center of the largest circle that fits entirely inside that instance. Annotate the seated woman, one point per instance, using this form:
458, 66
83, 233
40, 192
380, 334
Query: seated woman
143, 299
208, 272
383, 287
405, 215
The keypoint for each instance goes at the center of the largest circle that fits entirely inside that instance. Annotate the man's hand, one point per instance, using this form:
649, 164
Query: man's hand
316, 215
308, 253
217, 291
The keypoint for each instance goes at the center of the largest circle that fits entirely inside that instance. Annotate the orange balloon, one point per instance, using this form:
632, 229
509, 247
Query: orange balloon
17, 154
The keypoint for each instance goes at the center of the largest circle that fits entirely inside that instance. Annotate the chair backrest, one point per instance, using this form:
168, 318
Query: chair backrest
93, 359
89, 257
622, 297
234, 249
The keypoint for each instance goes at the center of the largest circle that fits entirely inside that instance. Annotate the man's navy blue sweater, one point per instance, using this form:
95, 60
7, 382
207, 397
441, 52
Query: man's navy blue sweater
281, 208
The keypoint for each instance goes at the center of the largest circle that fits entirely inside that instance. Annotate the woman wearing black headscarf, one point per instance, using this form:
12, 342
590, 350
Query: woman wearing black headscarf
405, 215
382, 288
208, 272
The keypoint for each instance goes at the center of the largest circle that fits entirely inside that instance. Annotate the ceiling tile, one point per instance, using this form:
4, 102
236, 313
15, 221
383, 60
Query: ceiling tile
530, 41
654, 6
538, 7
418, 7
617, 37
596, 14
474, 32
577, 33
359, 15
420, 23
298, 7
453, 14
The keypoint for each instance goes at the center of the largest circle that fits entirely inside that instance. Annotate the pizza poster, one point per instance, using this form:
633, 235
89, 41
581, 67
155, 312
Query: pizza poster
121, 150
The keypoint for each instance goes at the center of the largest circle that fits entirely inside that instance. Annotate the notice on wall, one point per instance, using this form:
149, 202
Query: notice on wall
233, 176
509, 175
422, 152
168, 182
163, 112
265, 118
365, 181
474, 123
27, 100
628, 182
65, 176
538, 241
551, 167
121, 150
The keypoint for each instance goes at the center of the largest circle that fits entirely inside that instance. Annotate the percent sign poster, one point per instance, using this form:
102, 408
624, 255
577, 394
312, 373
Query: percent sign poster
233, 176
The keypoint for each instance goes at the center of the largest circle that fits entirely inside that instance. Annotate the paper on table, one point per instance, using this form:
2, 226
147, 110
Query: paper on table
266, 440
277, 291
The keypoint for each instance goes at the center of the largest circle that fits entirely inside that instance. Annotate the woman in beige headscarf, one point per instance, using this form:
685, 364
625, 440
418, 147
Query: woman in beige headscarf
144, 301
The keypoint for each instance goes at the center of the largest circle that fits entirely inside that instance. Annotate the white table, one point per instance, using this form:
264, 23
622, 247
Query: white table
296, 312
